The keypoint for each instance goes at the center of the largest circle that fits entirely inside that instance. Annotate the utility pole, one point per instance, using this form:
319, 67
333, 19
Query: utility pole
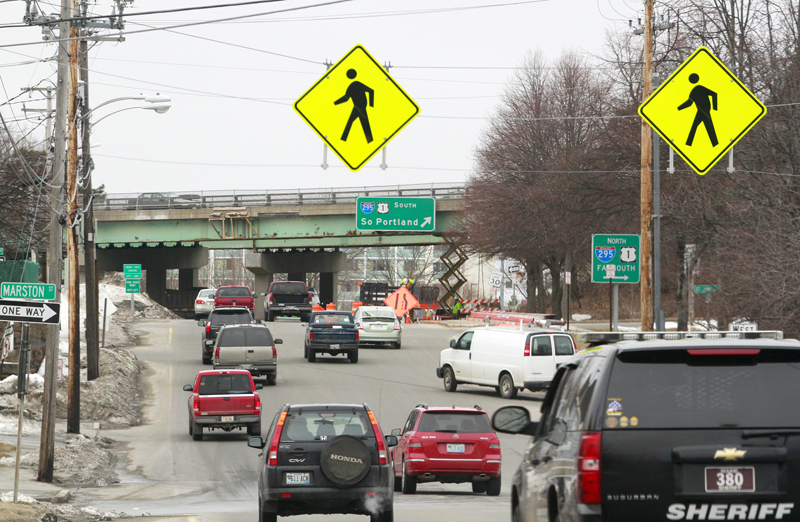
73, 321
55, 253
92, 316
646, 286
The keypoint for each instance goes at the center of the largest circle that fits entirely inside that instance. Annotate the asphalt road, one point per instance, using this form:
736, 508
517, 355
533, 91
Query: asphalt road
214, 480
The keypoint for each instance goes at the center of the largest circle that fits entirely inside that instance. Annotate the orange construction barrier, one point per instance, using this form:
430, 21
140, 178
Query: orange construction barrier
356, 304
317, 308
330, 306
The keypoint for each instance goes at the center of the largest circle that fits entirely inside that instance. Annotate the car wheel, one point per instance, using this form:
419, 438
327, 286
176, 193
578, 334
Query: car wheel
272, 378
507, 388
396, 346
264, 516
493, 487
197, 431
351, 464
312, 356
398, 483
191, 424
254, 429
269, 317
206, 360
479, 487
383, 516
409, 483
449, 380
353, 356
305, 351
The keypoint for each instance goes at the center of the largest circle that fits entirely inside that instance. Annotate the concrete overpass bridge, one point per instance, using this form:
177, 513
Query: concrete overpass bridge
287, 231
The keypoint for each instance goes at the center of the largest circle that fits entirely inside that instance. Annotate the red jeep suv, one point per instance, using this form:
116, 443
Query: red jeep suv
449, 445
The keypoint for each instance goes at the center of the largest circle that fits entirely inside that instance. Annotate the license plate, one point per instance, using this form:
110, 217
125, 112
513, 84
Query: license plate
379, 326
455, 448
291, 308
298, 478
730, 480
227, 418
246, 366
334, 347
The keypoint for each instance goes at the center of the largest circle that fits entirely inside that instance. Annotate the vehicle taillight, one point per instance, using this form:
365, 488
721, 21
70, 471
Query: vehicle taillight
359, 326
382, 459
310, 336
258, 403
414, 443
495, 444
273, 445
527, 351
396, 324
725, 351
196, 404
208, 328
589, 468
274, 353
269, 298
356, 335
200, 301
309, 297
216, 354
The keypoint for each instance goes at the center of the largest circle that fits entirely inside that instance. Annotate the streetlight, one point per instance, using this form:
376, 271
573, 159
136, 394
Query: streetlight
159, 104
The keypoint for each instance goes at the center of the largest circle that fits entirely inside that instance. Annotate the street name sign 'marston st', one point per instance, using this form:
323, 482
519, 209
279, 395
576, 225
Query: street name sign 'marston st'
396, 214
42, 291
29, 312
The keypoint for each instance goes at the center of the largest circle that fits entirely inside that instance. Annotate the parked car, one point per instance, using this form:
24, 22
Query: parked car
223, 400
507, 359
151, 200
247, 347
378, 325
322, 459
449, 445
204, 302
216, 319
688, 429
287, 298
331, 332
234, 296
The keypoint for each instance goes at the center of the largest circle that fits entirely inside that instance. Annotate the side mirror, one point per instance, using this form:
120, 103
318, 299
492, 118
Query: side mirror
391, 441
256, 442
396, 432
452, 343
201, 322
514, 419
259, 386
303, 324
278, 341
188, 387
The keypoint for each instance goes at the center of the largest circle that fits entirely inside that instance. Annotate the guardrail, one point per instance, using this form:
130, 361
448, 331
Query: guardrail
265, 198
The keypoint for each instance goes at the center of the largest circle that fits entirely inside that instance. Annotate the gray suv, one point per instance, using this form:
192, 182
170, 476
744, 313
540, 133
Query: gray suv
655, 429
322, 459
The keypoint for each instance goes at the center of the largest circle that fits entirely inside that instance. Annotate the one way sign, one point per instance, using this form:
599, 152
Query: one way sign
29, 311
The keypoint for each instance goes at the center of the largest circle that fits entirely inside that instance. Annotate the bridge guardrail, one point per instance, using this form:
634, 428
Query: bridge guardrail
258, 198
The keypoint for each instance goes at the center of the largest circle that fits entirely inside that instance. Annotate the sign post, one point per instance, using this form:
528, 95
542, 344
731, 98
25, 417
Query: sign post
396, 214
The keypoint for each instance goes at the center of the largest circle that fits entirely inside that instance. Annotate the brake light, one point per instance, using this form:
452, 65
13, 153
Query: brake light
494, 445
725, 351
276, 437
208, 328
258, 403
309, 297
527, 351
274, 352
396, 324
359, 326
382, 459
196, 404
200, 301
269, 298
356, 335
414, 443
216, 354
589, 468
310, 336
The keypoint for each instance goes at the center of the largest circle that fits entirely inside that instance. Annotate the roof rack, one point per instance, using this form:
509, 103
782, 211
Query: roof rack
477, 407
613, 337
421, 405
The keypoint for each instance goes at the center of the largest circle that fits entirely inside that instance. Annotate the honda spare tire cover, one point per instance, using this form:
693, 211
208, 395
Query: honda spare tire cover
345, 461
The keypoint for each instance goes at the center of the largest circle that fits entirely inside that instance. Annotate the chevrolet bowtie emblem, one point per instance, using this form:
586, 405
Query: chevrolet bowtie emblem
730, 454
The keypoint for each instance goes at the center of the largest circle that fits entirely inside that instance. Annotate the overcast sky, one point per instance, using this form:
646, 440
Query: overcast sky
232, 84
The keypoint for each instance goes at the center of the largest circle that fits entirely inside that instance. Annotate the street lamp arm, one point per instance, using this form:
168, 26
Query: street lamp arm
115, 112
124, 98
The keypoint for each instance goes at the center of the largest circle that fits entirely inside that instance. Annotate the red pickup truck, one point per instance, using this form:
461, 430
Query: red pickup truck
224, 400
234, 296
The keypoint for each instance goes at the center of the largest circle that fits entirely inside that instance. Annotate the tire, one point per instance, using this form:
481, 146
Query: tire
269, 317
345, 461
479, 487
449, 380
264, 516
493, 487
191, 424
353, 356
206, 360
305, 351
312, 356
197, 431
383, 516
507, 389
409, 483
398, 483
254, 429
396, 346
272, 378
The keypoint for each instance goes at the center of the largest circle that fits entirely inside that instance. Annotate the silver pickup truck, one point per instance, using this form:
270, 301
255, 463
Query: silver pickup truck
247, 347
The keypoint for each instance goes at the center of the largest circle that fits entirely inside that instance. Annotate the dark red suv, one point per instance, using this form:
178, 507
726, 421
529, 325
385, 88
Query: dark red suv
450, 445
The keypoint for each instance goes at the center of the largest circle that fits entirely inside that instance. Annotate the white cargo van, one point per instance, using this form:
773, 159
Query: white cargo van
507, 359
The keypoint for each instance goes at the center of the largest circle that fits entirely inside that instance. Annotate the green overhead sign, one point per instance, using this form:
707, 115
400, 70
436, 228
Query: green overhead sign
44, 291
396, 214
615, 258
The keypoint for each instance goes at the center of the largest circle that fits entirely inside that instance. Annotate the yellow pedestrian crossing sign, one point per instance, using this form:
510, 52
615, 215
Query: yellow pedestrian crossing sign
702, 110
356, 107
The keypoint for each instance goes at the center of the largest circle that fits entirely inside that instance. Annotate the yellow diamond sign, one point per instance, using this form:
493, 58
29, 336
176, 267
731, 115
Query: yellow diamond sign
356, 107
702, 110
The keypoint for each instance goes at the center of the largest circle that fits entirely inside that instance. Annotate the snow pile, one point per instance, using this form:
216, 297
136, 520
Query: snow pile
28, 509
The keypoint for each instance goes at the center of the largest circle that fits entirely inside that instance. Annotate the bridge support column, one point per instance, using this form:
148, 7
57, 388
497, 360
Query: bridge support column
329, 287
156, 286
296, 276
188, 278
261, 286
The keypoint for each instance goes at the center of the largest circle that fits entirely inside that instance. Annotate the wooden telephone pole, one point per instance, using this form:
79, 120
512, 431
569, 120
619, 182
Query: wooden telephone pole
646, 286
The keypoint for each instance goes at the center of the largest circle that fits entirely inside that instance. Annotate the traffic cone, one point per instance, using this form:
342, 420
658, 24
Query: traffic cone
408, 319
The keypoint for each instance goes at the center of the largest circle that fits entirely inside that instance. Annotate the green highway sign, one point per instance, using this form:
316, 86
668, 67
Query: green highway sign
44, 291
396, 214
705, 289
132, 287
1, 251
132, 272
615, 258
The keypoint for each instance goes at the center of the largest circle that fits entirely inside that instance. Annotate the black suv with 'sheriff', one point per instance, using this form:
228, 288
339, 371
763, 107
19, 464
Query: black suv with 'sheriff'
664, 430
325, 458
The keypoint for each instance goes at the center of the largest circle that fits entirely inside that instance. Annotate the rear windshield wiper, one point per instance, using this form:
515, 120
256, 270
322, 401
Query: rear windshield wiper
747, 434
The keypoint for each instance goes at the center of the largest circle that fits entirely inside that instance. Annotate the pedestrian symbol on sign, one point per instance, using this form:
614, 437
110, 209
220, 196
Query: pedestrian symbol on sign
358, 93
699, 97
